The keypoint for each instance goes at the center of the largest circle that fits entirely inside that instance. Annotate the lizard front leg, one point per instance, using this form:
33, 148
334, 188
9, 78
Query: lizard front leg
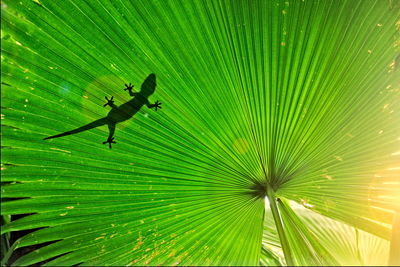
155, 105
129, 89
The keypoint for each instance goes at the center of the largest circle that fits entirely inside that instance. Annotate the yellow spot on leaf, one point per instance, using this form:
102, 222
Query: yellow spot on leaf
57, 149
241, 146
338, 158
173, 252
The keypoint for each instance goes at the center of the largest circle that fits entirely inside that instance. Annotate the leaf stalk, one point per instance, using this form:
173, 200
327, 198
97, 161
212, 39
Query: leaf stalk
279, 226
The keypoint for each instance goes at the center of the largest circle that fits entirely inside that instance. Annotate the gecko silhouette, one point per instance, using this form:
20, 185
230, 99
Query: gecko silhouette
121, 113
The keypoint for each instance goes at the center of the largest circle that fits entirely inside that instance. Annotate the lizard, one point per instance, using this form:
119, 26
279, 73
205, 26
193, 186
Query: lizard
120, 113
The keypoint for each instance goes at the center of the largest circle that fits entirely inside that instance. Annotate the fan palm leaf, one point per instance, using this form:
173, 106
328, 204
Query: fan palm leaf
297, 99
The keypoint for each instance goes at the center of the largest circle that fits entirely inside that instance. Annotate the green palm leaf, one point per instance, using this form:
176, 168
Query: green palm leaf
296, 98
337, 243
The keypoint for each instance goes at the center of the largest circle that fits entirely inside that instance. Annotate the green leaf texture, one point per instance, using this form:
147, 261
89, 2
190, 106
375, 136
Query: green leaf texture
302, 95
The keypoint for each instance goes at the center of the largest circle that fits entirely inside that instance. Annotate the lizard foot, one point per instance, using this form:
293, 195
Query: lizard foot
157, 105
110, 141
129, 87
110, 102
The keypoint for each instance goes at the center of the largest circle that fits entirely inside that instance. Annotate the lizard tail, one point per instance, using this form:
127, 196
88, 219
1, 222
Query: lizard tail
86, 127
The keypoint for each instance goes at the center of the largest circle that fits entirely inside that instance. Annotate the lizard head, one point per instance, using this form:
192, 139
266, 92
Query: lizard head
148, 86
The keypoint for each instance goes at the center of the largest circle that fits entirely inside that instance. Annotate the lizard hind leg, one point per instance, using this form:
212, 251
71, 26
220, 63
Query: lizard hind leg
110, 139
111, 129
